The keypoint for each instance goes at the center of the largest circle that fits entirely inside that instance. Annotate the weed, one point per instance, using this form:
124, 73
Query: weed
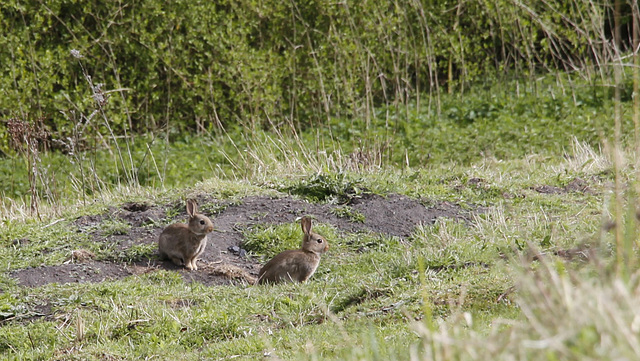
175, 210
335, 187
27, 137
111, 227
213, 208
136, 252
344, 211
271, 240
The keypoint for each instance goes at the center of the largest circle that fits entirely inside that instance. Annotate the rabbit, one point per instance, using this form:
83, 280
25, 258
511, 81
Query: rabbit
184, 243
296, 265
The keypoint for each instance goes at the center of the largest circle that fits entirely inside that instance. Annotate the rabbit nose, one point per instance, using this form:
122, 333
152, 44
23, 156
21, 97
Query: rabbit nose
210, 229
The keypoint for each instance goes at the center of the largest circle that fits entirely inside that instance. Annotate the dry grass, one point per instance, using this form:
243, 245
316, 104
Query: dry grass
567, 315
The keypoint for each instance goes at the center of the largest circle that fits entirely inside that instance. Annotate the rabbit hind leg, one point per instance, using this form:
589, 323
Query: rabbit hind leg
190, 264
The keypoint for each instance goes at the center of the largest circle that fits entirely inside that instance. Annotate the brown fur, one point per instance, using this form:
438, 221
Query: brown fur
296, 265
184, 243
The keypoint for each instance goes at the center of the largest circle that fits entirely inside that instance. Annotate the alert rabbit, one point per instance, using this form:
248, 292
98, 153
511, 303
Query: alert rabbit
184, 243
296, 265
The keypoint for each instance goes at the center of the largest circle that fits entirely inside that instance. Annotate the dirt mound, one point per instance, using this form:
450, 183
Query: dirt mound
394, 215
576, 185
224, 261
397, 215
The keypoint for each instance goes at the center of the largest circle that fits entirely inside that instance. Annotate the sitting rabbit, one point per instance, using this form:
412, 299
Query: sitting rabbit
184, 243
296, 265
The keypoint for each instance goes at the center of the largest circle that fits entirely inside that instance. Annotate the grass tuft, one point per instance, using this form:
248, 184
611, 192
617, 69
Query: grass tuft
335, 187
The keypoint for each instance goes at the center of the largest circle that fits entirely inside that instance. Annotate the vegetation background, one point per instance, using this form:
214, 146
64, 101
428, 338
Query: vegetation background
384, 78
107, 101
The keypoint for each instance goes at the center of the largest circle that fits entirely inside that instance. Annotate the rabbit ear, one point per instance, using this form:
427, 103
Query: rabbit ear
306, 225
192, 207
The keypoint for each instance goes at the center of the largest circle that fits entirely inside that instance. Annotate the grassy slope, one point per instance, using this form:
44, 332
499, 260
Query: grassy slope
393, 301
359, 304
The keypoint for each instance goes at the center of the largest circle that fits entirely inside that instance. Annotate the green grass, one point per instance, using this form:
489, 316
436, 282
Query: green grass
366, 301
496, 121
349, 213
452, 290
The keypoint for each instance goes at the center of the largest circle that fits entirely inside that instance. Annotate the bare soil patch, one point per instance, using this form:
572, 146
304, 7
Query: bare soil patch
224, 260
70, 273
576, 185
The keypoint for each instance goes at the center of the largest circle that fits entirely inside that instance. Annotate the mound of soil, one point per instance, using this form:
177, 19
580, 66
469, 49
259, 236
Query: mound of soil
576, 185
224, 261
398, 215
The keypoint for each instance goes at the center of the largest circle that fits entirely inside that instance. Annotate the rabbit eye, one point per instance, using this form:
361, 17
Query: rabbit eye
319, 240
202, 221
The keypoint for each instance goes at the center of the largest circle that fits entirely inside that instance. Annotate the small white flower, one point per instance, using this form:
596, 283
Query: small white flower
76, 54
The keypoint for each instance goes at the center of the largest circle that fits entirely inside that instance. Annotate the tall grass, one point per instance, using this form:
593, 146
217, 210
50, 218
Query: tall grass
351, 67
568, 315
571, 313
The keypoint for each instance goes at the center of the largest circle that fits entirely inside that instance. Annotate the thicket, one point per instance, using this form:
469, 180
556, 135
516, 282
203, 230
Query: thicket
203, 66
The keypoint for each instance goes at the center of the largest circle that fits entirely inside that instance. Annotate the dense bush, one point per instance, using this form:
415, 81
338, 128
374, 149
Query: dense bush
200, 65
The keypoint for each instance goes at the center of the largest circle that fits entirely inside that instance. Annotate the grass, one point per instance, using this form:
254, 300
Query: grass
349, 213
495, 286
373, 296
505, 121
544, 267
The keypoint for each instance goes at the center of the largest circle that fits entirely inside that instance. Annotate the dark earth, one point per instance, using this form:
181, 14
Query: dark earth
224, 261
